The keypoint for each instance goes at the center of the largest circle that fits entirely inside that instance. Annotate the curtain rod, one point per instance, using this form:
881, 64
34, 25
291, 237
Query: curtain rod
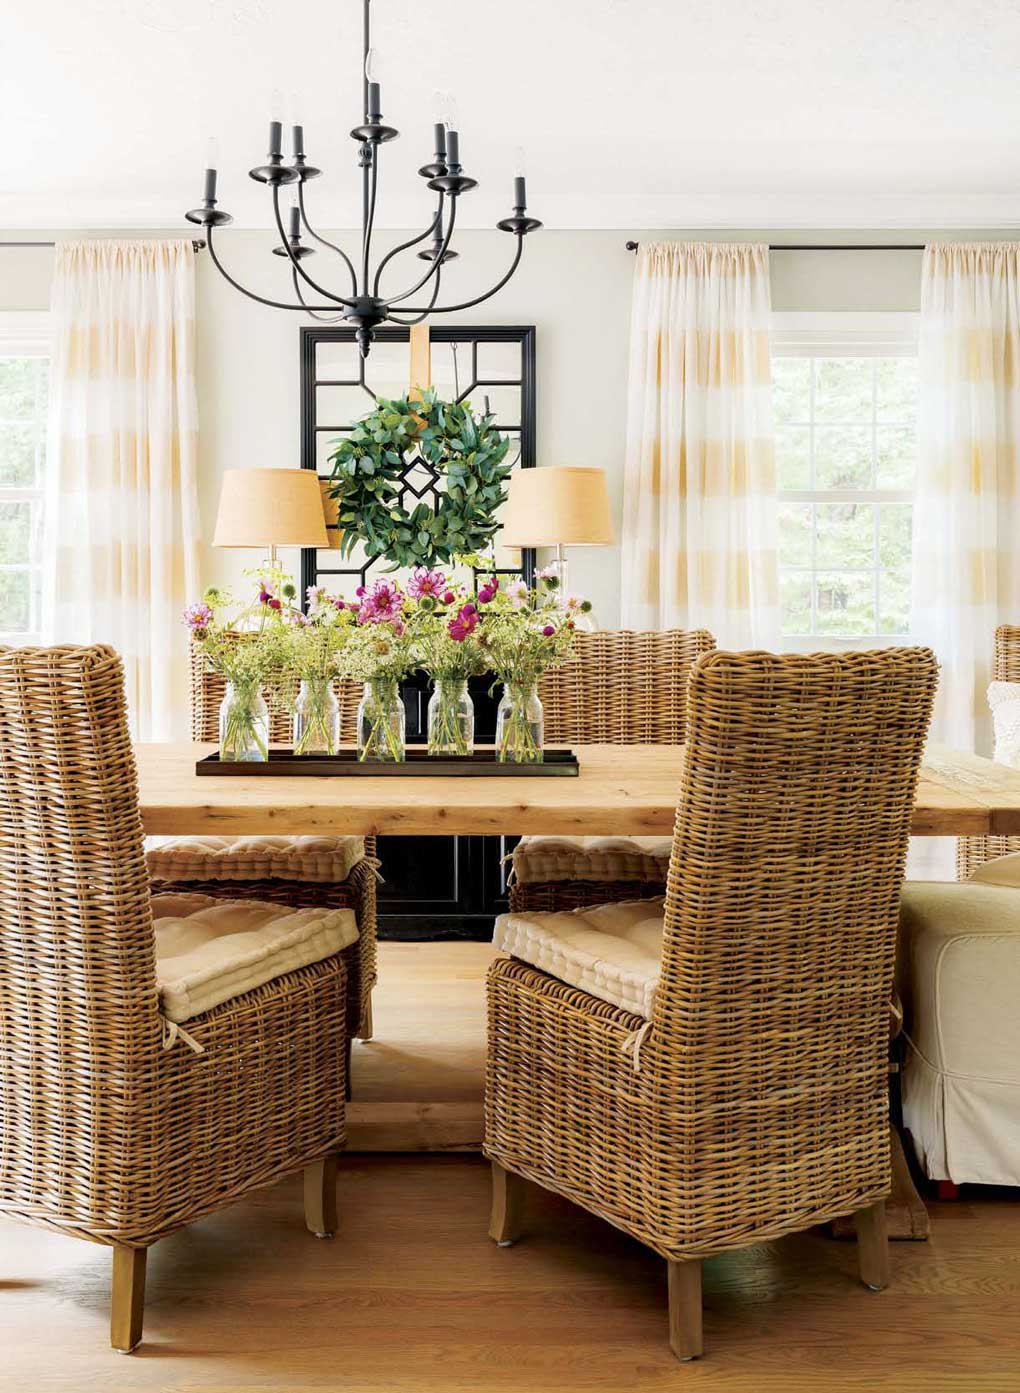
831, 246
195, 245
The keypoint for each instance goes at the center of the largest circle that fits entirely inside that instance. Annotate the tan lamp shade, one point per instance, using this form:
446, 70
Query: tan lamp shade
561, 505
270, 508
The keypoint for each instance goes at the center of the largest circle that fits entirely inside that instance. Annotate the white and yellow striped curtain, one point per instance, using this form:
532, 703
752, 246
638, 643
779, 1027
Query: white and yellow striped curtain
967, 507
121, 476
699, 529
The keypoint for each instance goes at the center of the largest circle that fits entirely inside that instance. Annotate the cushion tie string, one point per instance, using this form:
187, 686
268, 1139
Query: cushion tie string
632, 1045
512, 877
171, 1030
373, 863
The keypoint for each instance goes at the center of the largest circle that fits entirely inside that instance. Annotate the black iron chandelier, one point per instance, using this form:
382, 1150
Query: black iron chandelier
365, 305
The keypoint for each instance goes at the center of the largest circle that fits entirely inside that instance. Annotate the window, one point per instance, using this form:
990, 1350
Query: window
24, 381
845, 398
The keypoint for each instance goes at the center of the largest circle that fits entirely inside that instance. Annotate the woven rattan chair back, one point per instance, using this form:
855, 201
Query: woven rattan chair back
770, 1031
79, 1023
623, 688
972, 852
208, 688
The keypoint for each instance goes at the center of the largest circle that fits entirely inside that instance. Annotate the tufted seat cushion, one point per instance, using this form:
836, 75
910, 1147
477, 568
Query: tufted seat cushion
320, 860
959, 976
538, 859
612, 951
209, 951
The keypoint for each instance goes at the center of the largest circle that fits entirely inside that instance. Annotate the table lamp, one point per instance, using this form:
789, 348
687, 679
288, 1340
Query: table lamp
557, 506
270, 508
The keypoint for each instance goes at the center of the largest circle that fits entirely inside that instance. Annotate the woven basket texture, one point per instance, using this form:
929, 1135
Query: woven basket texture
760, 1104
972, 852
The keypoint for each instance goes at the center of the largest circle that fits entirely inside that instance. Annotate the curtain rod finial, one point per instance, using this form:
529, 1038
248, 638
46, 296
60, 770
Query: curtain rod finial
632, 246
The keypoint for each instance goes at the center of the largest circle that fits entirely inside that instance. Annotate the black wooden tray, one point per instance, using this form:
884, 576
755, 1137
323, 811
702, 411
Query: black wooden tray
419, 763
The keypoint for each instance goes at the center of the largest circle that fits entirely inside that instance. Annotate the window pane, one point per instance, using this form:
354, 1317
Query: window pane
846, 534
795, 603
791, 390
843, 458
843, 389
894, 601
897, 456
17, 456
15, 532
795, 528
894, 534
793, 457
20, 383
896, 390
14, 601
845, 602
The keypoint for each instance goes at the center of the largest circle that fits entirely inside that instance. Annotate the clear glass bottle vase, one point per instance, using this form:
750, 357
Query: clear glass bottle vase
520, 725
244, 724
381, 724
451, 718
316, 718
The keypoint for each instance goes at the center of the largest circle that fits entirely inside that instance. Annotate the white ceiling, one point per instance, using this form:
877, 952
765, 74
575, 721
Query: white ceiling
634, 113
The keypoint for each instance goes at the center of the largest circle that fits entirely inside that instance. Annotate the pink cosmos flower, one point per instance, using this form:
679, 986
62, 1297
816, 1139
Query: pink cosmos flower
425, 582
463, 624
517, 593
198, 618
383, 603
572, 604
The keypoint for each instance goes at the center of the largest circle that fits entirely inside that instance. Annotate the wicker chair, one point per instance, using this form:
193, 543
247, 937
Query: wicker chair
972, 852
356, 891
754, 1101
618, 687
104, 1133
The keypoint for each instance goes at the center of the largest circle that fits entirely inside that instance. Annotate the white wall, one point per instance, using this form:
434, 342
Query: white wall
574, 286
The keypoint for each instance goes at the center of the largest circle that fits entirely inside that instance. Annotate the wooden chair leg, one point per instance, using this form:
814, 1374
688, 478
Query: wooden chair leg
365, 1026
873, 1246
685, 1334
507, 1205
127, 1299
320, 1197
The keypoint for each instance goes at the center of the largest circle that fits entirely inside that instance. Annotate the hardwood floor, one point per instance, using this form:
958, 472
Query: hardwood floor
412, 1297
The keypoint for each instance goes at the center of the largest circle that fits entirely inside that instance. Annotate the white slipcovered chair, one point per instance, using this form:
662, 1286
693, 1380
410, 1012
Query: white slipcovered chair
959, 979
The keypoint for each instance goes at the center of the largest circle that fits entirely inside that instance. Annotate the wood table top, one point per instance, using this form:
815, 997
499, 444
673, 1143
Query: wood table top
621, 790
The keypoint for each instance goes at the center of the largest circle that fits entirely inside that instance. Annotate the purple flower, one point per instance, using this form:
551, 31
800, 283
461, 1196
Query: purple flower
548, 631
276, 604
449, 598
469, 608
425, 582
339, 605
265, 596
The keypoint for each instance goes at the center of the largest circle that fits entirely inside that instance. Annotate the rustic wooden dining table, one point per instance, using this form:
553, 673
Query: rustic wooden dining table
619, 790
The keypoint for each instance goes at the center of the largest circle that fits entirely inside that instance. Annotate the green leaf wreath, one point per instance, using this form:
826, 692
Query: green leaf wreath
369, 465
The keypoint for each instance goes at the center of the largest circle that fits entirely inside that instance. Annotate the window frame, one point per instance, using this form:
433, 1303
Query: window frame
859, 334
26, 334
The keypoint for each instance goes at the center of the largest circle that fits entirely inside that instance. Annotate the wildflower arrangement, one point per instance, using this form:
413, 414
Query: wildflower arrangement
309, 652
380, 653
444, 622
247, 660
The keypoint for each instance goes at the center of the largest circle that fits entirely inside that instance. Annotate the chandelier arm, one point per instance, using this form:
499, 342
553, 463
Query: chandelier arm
467, 304
273, 304
404, 245
322, 241
433, 265
322, 318
425, 312
372, 177
295, 262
